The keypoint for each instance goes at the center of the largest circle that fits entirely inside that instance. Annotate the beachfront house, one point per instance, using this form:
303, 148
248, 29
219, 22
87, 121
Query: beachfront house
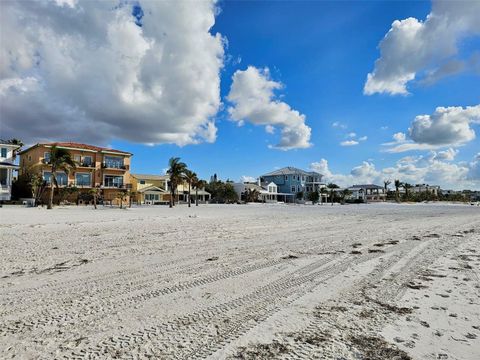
7, 167
155, 189
150, 189
267, 192
367, 192
290, 181
105, 168
425, 188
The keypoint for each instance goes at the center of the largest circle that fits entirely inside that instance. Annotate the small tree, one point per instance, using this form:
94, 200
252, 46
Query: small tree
314, 196
229, 193
122, 196
398, 184
94, 192
299, 195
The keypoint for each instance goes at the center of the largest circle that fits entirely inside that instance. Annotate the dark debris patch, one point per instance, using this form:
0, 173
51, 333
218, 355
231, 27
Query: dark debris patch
374, 348
261, 351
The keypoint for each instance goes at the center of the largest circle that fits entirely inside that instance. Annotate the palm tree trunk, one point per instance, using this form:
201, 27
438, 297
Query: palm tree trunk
50, 200
95, 201
196, 196
189, 189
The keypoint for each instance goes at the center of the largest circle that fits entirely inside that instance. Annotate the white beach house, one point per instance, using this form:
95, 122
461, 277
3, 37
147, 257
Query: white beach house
7, 166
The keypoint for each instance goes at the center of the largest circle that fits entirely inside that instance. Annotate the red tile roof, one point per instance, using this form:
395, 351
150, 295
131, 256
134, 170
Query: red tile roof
78, 146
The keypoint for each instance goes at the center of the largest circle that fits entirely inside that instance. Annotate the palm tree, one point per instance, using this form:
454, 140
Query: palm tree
176, 171
251, 195
198, 184
94, 192
323, 191
190, 177
332, 188
385, 187
60, 159
398, 185
407, 186
345, 193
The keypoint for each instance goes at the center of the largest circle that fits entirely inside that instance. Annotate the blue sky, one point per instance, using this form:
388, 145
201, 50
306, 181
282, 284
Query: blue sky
320, 52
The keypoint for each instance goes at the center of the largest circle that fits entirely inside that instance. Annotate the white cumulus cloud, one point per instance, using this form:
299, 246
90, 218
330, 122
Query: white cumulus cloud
447, 126
92, 71
414, 46
434, 169
349, 143
253, 99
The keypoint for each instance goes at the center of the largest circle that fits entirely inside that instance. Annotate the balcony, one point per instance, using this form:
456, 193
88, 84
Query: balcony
86, 165
116, 166
116, 186
81, 184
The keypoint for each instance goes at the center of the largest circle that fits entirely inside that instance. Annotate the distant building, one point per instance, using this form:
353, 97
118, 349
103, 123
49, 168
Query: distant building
424, 188
106, 168
155, 189
267, 192
7, 166
291, 180
367, 192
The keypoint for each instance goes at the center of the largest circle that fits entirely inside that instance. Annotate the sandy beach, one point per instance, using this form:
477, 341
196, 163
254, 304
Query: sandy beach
376, 281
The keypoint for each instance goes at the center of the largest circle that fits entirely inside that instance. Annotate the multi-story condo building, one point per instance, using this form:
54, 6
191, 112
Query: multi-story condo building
108, 169
291, 180
7, 166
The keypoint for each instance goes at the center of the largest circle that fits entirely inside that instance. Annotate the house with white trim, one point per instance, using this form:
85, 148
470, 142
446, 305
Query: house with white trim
7, 167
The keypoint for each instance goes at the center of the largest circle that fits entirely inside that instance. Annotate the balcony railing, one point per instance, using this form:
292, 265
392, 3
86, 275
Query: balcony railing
106, 165
84, 164
117, 186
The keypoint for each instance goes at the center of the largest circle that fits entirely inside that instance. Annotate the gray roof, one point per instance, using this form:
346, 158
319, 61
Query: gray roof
290, 170
366, 186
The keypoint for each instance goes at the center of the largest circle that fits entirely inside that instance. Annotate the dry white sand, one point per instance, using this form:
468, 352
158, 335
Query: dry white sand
377, 281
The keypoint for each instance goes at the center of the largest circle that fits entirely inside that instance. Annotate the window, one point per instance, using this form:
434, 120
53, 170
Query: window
87, 160
152, 197
142, 182
293, 189
113, 181
286, 177
46, 156
83, 179
62, 179
4, 153
113, 162
76, 158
